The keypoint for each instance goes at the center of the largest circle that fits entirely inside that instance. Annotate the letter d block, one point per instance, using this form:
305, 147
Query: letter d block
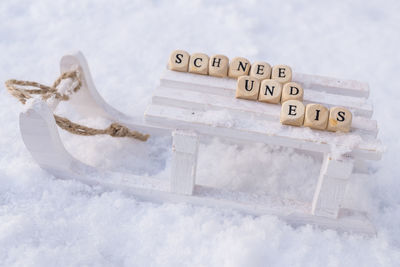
339, 119
198, 63
292, 91
292, 113
247, 88
179, 61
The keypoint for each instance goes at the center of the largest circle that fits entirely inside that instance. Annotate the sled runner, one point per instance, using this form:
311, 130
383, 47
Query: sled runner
188, 106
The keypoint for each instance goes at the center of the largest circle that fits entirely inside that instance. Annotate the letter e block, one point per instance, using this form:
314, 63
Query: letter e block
292, 91
239, 66
218, 66
339, 119
247, 88
281, 73
260, 70
292, 113
270, 91
316, 116
179, 61
198, 63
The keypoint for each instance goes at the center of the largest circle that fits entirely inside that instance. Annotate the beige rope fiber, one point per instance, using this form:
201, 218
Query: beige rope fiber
22, 94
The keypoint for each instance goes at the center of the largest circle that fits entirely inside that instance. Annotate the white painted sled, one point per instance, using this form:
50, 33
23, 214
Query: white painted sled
187, 106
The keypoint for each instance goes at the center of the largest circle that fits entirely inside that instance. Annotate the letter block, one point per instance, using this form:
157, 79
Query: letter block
292, 113
260, 70
281, 73
247, 88
198, 63
218, 66
239, 66
270, 91
179, 61
316, 116
292, 90
339, 119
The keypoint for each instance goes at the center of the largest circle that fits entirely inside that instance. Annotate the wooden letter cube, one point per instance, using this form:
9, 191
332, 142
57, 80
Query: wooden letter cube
339, 119
239, 66
179, 61
292, 91
292, 113
198, 63
316, 116
260, 70
281, 73
218, 66
270, 91
247, 88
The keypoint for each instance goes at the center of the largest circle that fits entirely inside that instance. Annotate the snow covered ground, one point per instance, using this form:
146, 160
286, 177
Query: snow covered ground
49, 222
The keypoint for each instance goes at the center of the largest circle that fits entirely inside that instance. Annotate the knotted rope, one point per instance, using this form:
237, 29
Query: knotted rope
23, 94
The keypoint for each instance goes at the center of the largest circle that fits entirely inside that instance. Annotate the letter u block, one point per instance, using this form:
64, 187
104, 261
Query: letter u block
292, 113
247, 88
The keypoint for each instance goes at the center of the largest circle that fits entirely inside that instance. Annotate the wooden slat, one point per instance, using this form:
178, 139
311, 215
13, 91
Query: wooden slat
260, 130
224, 86
197, 100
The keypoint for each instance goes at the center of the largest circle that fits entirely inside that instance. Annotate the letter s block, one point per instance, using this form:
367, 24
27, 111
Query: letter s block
247, 88
179, 61
292, 113
292, 91
198, 63
339, 119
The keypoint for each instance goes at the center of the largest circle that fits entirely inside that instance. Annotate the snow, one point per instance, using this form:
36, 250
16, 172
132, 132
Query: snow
47, 222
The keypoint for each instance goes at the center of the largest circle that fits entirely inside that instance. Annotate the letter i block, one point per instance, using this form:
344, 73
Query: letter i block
339, 119
179, 61
218, 66
316, 116
260, 70
292, 91
247, 88
281, 73
292, 113
198, 63
239, 66
270, 91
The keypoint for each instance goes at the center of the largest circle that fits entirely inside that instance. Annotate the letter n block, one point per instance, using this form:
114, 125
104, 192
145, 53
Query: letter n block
270, 91
292, 113
239, 66
247, 88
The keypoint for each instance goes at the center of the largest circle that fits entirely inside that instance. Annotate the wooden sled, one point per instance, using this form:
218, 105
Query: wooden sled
182, 107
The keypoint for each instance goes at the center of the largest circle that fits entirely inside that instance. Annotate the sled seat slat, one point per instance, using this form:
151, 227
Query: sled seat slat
202, 101
360, 106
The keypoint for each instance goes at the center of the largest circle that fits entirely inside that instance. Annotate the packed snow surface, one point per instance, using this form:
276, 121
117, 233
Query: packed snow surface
50, 222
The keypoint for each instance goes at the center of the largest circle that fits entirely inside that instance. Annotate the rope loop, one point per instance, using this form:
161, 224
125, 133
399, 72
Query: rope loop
17, 88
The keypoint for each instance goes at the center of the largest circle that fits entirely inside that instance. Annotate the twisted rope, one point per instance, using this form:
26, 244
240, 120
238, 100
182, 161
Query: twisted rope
16, 89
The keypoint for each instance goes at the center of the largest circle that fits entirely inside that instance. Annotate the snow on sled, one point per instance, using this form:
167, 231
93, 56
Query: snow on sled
183, 107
